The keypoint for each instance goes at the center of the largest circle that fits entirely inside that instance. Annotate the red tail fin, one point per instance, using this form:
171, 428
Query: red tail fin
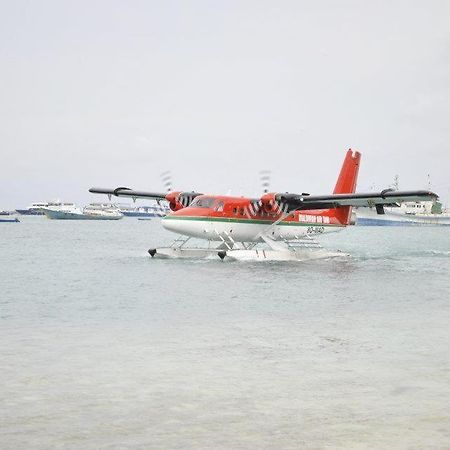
346, 184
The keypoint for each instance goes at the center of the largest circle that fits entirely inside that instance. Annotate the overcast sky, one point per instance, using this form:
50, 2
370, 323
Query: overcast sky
112, 93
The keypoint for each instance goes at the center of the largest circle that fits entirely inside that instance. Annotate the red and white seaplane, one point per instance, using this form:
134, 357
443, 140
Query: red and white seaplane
276, 226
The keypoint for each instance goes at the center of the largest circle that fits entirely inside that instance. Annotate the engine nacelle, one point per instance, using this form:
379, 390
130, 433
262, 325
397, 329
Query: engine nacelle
269, 204
179, 200
173, 199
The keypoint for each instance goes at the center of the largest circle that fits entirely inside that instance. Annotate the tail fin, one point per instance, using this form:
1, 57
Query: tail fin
346, 184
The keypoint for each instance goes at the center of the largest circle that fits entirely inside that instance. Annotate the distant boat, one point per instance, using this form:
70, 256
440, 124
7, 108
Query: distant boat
134, 211
69, 211
35, 209
409, 213
143, 211
10, 220
424, 213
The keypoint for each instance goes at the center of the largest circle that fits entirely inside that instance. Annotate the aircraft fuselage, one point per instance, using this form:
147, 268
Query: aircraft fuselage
210, 217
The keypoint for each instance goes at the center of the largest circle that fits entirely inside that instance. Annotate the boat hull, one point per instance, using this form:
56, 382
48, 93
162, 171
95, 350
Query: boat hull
30, 212
64, 215
371, 218
140, 214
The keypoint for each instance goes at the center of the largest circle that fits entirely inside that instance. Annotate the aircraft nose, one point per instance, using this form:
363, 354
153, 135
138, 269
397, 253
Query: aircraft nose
170, 224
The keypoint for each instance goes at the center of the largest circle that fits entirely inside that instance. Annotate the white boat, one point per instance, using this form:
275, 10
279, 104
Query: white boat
129, 210
69, 211
35, 209
142, 212
409, 213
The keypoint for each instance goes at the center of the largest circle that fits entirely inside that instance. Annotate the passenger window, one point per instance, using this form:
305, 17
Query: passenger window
242, 211
219, 207
235, 210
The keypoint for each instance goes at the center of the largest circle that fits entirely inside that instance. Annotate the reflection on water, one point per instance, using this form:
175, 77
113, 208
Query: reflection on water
103, 347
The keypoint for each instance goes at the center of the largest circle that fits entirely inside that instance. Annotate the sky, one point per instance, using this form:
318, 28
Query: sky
113, 93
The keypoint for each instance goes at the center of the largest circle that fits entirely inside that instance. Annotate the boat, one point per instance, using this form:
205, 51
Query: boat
9, 220
143, 211
69, 211
35, 209
407, 214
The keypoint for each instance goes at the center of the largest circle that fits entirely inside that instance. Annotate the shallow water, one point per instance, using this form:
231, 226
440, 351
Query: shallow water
103, 347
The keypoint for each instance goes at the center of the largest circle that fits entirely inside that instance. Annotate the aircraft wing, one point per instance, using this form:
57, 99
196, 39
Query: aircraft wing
387, 197
177, 200
127, 192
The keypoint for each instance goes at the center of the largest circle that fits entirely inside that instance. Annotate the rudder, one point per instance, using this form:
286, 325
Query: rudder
346, 183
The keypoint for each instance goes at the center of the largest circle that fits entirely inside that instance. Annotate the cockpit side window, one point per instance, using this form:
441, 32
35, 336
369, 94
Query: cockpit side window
203, 202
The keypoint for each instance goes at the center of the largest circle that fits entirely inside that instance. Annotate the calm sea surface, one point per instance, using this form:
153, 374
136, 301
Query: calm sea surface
104, 348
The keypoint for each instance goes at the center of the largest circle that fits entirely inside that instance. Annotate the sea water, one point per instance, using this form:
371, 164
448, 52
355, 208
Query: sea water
104, 348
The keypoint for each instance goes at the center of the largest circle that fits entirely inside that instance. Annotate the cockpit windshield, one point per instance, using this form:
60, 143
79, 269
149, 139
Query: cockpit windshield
202, 202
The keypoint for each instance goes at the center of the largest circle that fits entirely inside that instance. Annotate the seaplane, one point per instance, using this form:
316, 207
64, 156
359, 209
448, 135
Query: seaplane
277, 226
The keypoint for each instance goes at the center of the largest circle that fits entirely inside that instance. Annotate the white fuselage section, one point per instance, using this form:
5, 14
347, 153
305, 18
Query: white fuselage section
243, 231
